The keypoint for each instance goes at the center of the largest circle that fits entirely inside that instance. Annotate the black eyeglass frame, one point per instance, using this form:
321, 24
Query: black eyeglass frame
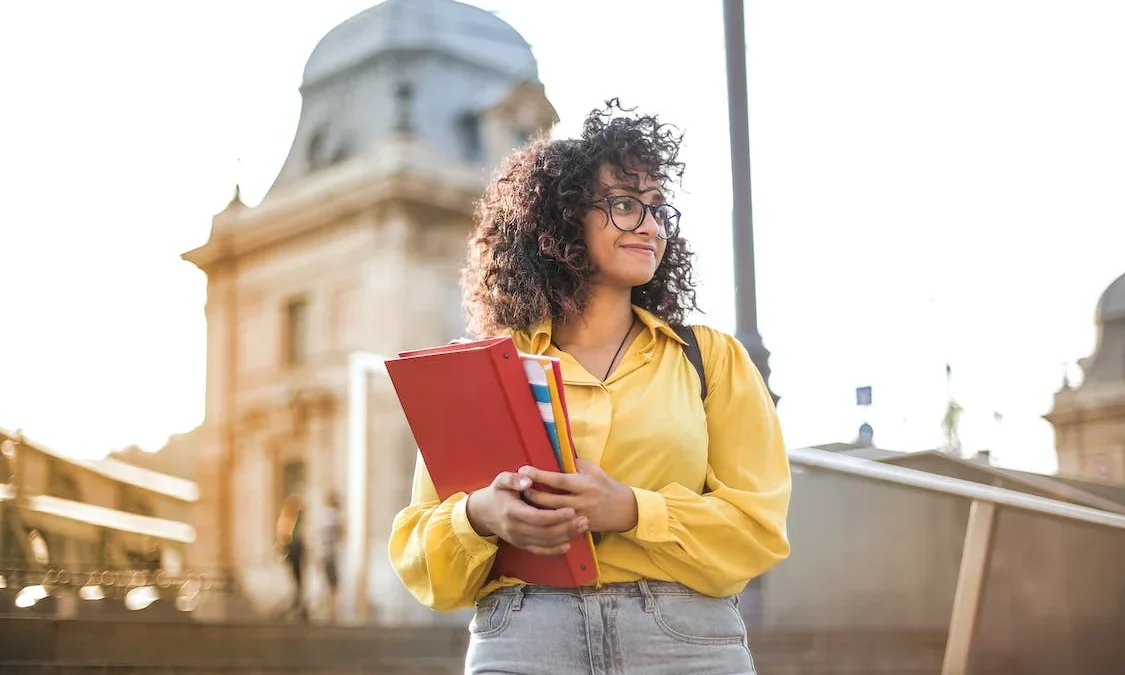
669, 232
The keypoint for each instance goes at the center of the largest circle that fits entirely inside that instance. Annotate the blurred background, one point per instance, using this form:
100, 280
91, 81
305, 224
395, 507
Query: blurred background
210, 210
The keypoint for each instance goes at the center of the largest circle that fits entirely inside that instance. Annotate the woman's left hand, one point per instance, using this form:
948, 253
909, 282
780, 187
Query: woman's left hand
608, 505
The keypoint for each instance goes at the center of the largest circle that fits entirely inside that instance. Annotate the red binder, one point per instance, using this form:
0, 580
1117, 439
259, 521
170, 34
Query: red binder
472, 413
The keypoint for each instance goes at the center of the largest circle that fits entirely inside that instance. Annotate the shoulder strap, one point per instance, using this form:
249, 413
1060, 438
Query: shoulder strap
691, 350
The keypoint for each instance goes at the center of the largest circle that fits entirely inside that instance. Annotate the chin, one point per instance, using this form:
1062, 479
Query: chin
631, 280
628, 273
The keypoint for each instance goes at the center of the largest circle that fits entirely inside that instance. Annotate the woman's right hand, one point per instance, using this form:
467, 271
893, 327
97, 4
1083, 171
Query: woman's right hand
500, 510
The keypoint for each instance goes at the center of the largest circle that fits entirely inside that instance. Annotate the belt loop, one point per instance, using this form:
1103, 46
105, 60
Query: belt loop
517, 603
646, 593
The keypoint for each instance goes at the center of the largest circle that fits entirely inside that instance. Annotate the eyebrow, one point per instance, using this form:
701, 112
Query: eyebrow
625, 187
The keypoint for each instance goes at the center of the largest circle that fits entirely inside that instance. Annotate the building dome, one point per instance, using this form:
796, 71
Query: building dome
443, 26
428, 70
1111, 306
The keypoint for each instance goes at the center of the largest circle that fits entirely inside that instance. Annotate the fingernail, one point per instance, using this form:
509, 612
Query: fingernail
524, 483
525, 470
583, 523
565, 548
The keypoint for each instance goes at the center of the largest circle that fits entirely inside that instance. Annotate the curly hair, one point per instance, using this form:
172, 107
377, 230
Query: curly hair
527, 257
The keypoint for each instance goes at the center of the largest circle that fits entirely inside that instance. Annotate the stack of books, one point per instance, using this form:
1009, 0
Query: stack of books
480, 408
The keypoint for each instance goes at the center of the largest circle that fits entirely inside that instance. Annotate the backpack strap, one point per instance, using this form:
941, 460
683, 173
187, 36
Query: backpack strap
694, 355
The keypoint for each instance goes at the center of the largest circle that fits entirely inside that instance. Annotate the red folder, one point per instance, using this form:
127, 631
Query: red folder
472, 413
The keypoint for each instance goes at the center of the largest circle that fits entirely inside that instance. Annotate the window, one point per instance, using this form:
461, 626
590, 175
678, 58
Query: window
469, 130
132, 500
11, 549
316, 151
61, 483
296, 347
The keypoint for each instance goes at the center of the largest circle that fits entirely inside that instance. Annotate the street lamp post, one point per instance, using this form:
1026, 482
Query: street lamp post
746, 301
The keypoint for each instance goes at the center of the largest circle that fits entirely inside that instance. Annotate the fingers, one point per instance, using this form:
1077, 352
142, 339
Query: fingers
548, 500
554, 535
512, 482
546, 541
517, 511
548, 550
567, 482
542, 530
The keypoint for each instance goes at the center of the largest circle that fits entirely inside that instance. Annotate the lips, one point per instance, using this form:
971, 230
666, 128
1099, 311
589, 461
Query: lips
640, 248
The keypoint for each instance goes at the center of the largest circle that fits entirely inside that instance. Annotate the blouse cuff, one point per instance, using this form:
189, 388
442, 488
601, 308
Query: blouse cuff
652, 517
475, 545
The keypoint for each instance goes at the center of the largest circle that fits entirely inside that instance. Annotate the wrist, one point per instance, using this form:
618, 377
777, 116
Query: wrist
473, 512
627, 507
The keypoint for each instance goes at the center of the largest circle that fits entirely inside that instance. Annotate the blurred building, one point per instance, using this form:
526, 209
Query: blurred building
1089, 419
100, 525
407, 108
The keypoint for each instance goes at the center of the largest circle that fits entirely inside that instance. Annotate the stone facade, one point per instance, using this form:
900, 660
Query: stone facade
1089, 419
361, 252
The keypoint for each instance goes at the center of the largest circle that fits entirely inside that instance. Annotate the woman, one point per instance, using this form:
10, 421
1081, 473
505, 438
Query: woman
577, 255
291, 542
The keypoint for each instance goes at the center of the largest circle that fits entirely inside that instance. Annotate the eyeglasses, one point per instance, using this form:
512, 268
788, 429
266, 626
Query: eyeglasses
627, 213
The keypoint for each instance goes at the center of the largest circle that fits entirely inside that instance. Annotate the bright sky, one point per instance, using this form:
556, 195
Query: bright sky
933, 182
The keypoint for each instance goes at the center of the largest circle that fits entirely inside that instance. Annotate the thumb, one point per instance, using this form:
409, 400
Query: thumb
513, 482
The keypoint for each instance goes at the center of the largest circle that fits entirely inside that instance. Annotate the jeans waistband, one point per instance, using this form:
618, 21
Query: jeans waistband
646, 588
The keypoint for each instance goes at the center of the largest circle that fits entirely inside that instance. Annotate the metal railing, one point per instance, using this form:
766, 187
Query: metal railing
985, 502
137, 589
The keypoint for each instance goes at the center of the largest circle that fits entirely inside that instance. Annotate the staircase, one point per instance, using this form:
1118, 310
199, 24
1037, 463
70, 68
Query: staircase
38, 646
856, 652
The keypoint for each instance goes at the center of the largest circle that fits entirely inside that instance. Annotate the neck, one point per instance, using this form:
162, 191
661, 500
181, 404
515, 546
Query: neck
607, 318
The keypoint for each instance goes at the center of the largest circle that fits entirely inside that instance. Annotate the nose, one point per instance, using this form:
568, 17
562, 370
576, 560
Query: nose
648, 227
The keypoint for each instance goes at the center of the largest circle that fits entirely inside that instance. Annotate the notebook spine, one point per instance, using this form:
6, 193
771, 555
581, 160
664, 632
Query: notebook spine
506, 362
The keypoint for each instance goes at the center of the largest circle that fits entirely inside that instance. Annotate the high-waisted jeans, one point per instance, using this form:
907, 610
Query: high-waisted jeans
646, 627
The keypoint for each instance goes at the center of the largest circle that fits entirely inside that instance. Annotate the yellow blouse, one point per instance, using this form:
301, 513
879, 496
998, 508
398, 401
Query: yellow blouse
647, 428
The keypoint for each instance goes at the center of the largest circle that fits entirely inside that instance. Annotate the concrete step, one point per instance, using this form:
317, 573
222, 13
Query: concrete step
42, 646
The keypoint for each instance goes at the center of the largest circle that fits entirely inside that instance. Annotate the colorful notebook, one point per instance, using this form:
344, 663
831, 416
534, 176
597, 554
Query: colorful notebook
537, 377
548, 370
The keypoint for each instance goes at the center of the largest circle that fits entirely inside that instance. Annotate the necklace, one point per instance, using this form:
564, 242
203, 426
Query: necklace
619, 348
615, 354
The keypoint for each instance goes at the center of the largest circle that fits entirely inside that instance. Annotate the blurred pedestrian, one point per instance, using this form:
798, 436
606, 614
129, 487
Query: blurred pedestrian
332, 535
291, 542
